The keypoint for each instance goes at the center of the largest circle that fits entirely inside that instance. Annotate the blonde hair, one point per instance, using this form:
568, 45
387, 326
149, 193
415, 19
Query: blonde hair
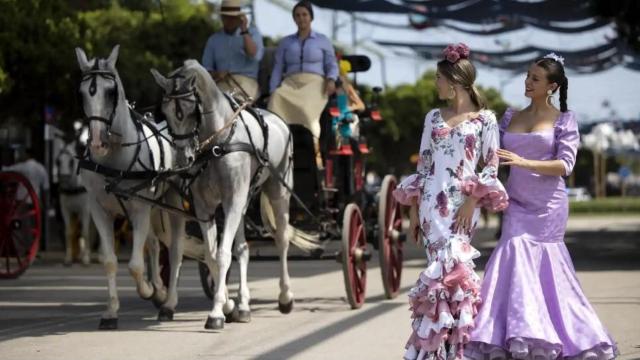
463, 73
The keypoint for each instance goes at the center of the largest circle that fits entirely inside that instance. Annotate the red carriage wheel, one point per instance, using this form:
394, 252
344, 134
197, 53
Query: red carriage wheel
354, 255
389, 237
20, 224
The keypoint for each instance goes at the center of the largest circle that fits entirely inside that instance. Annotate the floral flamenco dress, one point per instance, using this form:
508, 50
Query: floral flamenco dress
444, 300
533, 306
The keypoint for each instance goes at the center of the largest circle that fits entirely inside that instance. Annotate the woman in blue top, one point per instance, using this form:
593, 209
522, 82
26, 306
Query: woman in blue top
304, 73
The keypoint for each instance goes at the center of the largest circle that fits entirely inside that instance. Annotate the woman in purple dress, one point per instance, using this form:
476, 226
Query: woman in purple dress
532, 304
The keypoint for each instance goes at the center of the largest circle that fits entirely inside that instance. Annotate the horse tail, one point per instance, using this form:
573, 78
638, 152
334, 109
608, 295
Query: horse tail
300, 239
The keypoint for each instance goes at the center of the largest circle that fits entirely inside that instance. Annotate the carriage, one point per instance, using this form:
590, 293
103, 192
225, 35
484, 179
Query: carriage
337, 203
21, 217
217, 152
20, 224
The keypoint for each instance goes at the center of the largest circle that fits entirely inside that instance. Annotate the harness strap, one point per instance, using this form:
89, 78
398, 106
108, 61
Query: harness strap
116, 173
72, 191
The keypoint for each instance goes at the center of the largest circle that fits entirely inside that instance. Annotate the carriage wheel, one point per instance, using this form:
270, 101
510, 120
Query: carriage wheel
20, 224
354, 255
389, 239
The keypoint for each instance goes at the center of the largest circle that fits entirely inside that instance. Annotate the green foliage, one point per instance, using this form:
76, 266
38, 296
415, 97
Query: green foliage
608, 205
38, 64
403, 108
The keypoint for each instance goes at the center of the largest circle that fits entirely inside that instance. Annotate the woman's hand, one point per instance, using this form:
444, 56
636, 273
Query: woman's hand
414, 222
511, 159
330, 88
464, 218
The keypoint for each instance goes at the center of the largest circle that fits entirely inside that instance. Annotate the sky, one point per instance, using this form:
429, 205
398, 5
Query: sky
618, 86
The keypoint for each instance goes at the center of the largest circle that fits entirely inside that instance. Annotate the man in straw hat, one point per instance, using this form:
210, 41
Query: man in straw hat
233, 54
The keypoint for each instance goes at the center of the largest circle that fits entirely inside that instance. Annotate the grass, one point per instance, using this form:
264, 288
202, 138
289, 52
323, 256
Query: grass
608, 205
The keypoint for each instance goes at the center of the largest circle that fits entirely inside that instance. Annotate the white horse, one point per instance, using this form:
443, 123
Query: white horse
122, 153
236, 157
73, 200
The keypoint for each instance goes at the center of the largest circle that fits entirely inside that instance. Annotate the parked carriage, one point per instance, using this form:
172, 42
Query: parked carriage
21, 224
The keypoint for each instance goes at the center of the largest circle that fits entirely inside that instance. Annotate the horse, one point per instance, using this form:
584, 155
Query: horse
73, 199
236, 155
122, 154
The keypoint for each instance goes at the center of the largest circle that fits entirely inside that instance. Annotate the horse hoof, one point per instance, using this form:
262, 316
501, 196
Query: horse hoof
285, 308
214, 323
108, 324
242, 316
165, 314
230, 317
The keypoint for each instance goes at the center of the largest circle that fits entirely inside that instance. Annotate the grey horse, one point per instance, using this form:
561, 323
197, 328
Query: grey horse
119, 143
204, 124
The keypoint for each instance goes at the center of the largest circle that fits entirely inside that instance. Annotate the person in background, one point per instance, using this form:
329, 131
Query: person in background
304, 75
233, 55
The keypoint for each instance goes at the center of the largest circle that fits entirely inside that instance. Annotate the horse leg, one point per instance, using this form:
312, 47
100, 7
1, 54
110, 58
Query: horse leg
140, 224
244, 297
104, 224
209, 232
68, 231
280, 205
234, 211
176, 252
153, 250
85, 245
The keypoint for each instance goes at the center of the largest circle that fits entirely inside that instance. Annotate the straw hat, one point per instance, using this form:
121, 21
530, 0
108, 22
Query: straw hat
231, 8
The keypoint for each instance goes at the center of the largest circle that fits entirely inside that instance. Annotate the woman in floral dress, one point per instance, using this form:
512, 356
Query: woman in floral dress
445, 195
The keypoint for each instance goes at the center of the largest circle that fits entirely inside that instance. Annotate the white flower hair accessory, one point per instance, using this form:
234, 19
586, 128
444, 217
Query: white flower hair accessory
555, 57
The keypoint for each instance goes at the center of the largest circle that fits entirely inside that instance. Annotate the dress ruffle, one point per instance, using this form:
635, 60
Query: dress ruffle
489, 192
534, 349
409, 189
533, 306
444, 303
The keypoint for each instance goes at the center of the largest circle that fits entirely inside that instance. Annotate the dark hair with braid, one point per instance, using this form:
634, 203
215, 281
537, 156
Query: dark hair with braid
555, 74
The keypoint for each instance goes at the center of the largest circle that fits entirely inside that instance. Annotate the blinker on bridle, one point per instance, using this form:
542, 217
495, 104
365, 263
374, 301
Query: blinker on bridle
92, 75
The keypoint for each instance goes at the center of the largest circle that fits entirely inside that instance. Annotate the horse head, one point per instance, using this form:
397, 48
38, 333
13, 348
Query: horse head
186, 92
100, 90
67, 163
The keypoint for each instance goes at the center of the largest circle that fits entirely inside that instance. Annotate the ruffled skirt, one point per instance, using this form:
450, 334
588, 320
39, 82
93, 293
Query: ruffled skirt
444, 303
534, 308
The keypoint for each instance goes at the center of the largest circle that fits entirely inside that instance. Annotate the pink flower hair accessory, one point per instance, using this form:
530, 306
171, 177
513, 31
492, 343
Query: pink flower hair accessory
455, 52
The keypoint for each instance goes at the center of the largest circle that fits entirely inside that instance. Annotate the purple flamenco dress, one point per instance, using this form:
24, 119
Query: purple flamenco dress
532, 304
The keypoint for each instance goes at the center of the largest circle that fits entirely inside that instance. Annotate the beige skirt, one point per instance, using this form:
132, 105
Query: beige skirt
300, 99
240, 86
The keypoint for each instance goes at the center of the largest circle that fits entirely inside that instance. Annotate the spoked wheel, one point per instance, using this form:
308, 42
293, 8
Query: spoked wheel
390, 237
354, 255
20, 224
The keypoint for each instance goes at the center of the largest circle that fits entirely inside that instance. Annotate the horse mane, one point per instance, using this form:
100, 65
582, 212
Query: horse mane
204, 83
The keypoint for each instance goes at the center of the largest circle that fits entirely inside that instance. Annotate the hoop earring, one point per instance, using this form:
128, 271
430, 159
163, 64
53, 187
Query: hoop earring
452, 93
549, 96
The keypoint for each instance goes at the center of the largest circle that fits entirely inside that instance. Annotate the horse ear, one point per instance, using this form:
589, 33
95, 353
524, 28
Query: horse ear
192, 81
113, 57
162, 81
82, 59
